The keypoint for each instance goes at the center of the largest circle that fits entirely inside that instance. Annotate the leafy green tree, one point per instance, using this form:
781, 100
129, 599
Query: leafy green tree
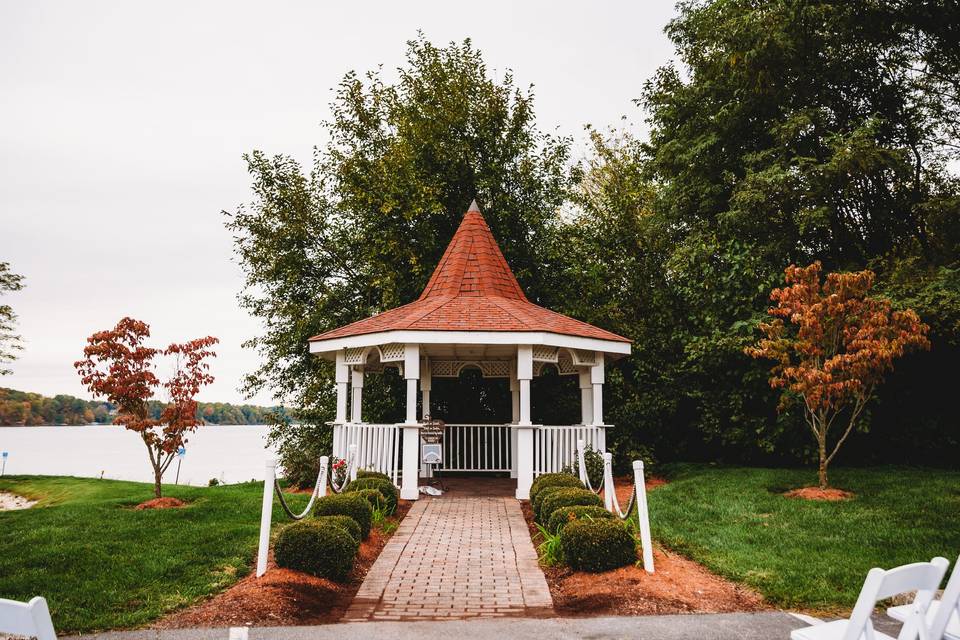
791, 131
363, 230
10, 342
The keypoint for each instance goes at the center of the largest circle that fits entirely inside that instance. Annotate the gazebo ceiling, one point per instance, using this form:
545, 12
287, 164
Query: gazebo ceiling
471, 298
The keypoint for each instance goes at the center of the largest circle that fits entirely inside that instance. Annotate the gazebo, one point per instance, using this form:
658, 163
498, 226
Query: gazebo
472, 313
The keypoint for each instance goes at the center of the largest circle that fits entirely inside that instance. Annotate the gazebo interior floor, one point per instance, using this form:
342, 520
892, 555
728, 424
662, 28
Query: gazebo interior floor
478, 485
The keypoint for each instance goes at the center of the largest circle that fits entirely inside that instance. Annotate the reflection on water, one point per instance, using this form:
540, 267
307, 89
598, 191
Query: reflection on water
228, 453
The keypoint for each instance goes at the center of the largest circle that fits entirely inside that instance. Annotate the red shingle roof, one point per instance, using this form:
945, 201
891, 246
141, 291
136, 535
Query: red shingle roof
472, 289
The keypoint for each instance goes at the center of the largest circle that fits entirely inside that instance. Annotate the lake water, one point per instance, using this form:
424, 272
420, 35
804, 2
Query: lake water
229, 453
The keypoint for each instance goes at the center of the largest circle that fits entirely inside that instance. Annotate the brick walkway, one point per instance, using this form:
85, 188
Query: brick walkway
455, 557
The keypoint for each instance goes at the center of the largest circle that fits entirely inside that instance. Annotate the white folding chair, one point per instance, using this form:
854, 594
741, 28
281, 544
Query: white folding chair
30, 619
923, 577
943, 616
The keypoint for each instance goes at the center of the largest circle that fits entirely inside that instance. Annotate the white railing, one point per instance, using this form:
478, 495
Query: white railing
378, 446
555, 447
477, 447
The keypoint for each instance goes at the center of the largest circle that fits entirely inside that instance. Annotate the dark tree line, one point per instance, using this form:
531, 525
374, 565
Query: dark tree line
31, 409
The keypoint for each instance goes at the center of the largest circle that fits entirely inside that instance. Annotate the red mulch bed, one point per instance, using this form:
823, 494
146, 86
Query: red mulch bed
816, 493
283, 596
161, 503
678, 585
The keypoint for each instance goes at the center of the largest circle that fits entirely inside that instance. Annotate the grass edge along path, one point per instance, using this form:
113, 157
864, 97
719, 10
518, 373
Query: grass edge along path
103, 565
801, 554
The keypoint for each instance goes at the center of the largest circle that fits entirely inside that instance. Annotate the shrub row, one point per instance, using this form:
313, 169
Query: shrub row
326, 545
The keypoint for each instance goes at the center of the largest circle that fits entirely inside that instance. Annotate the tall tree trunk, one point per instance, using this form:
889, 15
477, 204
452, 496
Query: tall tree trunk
822, 471
156, 484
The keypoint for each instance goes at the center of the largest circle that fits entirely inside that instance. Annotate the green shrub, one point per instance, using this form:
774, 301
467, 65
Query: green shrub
593, 460
346, 504
385, 487
553, 480
321, 549
543, 493
565, 515
378, 501
597, 545
566, 497
363, 473
346, 522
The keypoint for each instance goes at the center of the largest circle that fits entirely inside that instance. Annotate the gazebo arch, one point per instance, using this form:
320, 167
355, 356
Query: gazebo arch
471, 313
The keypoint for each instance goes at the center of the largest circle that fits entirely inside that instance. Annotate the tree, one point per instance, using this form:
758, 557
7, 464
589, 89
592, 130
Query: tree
832, 344
120, 367
9, 341
363, 231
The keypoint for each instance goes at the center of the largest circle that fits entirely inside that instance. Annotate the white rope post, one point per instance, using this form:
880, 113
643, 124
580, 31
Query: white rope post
321, 488
581, 462
608, 487
643, 515
266, 516
353, 462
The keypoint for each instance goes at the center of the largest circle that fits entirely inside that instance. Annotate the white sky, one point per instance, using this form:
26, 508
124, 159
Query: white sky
122, 126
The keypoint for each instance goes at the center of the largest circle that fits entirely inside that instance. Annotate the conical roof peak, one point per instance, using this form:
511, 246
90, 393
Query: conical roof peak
473, 264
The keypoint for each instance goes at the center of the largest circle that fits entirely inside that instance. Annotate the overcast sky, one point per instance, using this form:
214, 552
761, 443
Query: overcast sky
122, 126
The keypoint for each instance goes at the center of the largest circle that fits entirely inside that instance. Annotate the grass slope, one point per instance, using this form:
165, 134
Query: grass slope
809, 555
103, 565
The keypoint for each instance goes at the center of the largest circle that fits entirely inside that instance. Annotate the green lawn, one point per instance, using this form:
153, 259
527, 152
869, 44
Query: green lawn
102, 565
808, 555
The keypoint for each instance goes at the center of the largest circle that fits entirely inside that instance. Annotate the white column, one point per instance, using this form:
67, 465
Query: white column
597, 379
426, 385
525, 428
342, 377
411, 431
426, 471
266, 517
514, 417
356, 411
586, 397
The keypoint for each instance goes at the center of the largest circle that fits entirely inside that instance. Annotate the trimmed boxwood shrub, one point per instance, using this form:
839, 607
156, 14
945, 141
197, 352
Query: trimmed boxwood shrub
597, 545
565, 515
376, 499
346, 522
383, 486
373, 474
566, 497
553, 480
346, 504
543, 493
321, 549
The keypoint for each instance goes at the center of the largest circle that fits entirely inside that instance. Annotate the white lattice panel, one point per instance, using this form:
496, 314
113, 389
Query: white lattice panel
565, 364
353, 356
452, 368
391, 352
584, 358
543, 353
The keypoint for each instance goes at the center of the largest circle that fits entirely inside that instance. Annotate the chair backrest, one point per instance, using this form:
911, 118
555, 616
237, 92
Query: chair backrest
31, 619
949, 604
923, 577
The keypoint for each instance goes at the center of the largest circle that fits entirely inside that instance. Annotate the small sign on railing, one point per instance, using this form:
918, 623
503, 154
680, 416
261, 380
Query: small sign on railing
431, 449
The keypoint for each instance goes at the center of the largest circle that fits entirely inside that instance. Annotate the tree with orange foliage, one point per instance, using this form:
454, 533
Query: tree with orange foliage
832, 344
119, 366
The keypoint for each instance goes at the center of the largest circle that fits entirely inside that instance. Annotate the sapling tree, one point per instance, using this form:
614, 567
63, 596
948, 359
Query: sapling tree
119, 366
832, 344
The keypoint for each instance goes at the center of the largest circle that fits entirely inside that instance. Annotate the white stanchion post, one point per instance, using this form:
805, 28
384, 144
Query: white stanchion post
608, 487
353, 462
643, 515
324, 470
266, 516
581, 462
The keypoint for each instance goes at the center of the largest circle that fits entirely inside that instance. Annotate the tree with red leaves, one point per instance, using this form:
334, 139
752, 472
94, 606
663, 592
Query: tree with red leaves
119, 366
832, 344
